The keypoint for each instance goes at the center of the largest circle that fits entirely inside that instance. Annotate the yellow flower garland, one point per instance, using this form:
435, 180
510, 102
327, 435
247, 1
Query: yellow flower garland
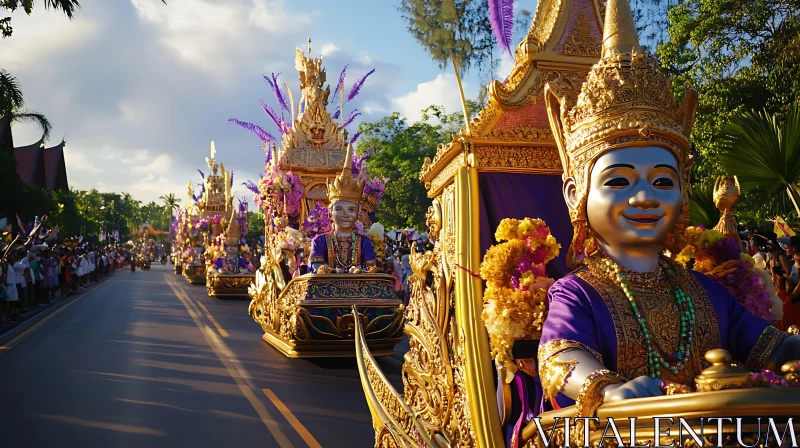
516, 311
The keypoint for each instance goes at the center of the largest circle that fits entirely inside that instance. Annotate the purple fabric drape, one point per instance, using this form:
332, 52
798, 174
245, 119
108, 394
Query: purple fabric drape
506, 195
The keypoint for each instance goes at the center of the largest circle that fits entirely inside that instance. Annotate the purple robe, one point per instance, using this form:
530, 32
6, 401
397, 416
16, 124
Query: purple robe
577, 312
323, 252
222, 265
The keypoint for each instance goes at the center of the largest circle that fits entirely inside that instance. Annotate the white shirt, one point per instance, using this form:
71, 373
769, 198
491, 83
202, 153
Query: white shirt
760, 261
11, 275
20, 268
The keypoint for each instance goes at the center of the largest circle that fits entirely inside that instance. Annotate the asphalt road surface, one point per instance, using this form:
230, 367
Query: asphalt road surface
145, 359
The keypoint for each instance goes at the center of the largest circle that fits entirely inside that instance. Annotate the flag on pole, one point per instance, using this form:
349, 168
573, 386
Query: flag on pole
782, 229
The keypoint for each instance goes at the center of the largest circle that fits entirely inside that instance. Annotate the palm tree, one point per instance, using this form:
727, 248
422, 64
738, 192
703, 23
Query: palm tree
12, 101
171, 202
765, 154
702, 210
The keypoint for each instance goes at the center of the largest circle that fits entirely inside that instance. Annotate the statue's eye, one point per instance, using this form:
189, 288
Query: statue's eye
663, 182
617, 182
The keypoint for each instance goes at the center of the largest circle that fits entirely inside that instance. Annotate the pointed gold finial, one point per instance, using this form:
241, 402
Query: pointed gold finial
619, 31
346, 187
309, 45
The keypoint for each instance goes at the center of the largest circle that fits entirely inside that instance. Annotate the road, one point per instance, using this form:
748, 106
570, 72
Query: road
145, 359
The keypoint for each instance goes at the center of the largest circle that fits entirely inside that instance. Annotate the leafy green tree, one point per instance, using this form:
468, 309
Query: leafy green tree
702, 210
741, 55
765, 155
457, 28
397, 150
68, 7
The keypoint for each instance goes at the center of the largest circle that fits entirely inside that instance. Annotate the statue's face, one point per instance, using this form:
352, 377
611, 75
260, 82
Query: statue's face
344, 214
231, 250
634, 196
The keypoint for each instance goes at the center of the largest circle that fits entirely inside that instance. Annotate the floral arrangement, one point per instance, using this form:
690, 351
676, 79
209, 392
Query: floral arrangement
317, 222
290, 238
241, 217
515, 300
279, 192
721, 258
205, 224
376, 234
373, 193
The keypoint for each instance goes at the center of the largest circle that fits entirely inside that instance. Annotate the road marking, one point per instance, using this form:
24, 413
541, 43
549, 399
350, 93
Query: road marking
304, 434
232, 364
213, 321
22, 336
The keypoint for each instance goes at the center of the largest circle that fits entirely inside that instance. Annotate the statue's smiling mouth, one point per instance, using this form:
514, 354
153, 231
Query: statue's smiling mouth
643, 218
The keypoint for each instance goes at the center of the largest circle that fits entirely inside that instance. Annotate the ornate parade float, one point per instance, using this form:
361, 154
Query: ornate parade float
212, 204
229, 272
503, 363
315, 190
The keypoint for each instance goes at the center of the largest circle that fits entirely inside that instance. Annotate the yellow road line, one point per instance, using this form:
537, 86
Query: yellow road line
232, 364
301, 430
213, 321
10, 344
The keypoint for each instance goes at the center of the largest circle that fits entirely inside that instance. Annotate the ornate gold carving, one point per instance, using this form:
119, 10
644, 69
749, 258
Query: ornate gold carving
195, 273
556, 346
444, 154
433, 219
445, 175
229, 285
522, 132
581, 42
517, 158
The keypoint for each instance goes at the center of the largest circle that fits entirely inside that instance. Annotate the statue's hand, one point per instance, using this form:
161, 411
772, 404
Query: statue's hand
356, 270
373, 269
640, 387
324, 269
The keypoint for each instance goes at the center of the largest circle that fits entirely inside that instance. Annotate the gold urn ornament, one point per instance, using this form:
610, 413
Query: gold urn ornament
726, 196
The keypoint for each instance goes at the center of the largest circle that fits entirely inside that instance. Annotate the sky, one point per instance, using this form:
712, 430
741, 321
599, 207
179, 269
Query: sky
139, 89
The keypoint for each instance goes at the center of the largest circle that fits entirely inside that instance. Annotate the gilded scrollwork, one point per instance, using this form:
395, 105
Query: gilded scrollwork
581, 42
518, 158
523, 133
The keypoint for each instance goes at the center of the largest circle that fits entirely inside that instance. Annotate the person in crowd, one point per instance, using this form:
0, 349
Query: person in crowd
36, 280
91, 266
47, 263
23, 274
760, 256
101, 263
9, 283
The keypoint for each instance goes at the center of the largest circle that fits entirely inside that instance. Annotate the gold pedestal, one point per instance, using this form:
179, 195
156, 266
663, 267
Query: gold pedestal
229, 285
314, 315
177, 268
195, 273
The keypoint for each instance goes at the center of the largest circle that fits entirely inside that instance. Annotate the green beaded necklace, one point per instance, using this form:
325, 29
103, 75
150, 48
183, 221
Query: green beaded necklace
654, 358
352, 251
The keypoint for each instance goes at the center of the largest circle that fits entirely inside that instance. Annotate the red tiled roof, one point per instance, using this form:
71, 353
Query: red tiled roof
55, 168
30, 163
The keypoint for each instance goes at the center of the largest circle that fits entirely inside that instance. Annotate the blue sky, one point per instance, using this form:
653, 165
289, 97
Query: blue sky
140, 89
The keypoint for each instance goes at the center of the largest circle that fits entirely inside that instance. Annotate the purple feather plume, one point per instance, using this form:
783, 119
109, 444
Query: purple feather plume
355, 137
337, 113
340, 83
201, 174
231, 179
255, 129
251, 186
272, 114
501, 17
276, 89
357, 86
355, 113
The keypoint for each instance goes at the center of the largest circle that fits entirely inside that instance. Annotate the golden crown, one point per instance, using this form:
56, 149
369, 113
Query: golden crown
234, 232
346, 187
625, 101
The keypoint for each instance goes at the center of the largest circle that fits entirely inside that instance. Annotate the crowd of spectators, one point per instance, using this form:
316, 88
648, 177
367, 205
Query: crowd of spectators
781, 258
32, 275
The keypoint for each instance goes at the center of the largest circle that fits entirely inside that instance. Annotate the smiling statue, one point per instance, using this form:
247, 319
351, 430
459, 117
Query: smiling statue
343, 250
630, 322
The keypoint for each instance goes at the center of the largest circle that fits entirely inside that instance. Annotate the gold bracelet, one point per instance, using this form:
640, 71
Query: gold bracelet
590, 397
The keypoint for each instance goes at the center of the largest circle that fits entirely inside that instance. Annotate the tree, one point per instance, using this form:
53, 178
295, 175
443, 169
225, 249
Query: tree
457, 28
12, 102
765, 154
741, 55
68, 7
397, 151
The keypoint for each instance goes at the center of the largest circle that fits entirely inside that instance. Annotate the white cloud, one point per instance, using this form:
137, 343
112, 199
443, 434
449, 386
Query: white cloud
328, 49
442, 91
159, 164
506, 65
77, 161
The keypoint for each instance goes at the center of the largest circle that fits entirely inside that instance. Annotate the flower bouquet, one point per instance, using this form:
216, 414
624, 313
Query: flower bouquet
515, 300
317, 222
720, 258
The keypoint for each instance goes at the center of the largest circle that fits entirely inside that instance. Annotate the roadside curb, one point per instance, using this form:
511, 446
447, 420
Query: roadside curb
43, 312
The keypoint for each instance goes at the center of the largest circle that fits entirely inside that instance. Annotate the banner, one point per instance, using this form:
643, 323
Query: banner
782, 229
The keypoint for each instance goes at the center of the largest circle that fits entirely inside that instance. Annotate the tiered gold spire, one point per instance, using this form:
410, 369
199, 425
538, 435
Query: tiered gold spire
346, 187
234, 232
625, 101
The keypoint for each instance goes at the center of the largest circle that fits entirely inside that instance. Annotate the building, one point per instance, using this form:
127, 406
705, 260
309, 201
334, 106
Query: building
36, 165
